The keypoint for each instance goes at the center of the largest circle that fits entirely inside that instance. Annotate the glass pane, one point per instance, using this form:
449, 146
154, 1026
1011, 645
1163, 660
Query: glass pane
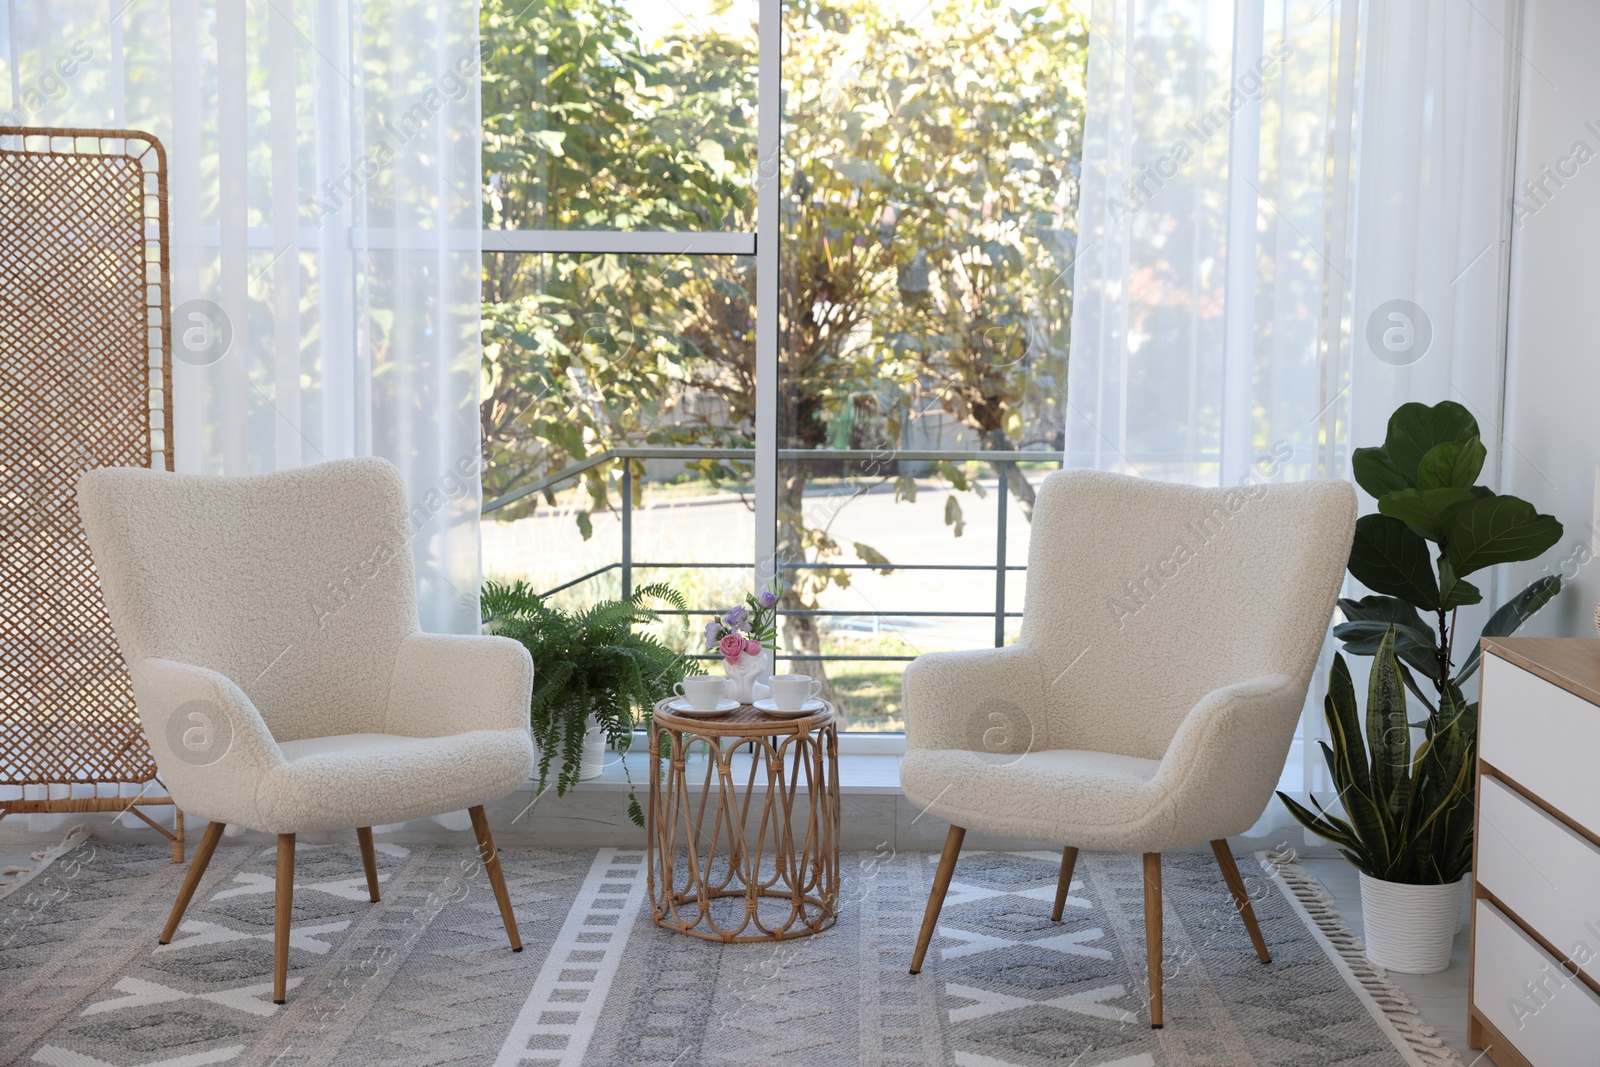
931, 160
587, 353
630, 115
580, 561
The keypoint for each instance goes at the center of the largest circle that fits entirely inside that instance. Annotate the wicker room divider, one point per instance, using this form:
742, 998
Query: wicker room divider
85, 338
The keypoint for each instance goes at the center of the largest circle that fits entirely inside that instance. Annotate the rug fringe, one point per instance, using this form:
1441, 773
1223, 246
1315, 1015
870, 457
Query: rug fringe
1420, 1037
21, 876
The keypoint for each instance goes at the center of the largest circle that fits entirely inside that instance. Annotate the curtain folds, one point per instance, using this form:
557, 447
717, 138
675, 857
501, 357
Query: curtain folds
1293, 219
323, 160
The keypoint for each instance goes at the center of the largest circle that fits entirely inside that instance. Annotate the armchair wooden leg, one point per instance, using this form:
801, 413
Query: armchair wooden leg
1069, 859
191, 881
280, 930
1241, 899
1152, 932
497, 879
941, 885
369, 859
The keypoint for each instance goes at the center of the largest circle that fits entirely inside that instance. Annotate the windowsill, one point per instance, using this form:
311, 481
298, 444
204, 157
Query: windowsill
860, 773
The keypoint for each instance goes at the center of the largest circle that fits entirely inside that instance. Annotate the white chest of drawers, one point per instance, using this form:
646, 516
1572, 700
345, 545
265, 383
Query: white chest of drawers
1535, 977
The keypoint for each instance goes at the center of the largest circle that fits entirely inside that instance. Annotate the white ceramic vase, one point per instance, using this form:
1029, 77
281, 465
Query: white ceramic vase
746, 676
1410, 928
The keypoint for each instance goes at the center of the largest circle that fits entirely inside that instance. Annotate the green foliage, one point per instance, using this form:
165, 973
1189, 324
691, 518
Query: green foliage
1410, 818
928, 214
1434, 527
592, 665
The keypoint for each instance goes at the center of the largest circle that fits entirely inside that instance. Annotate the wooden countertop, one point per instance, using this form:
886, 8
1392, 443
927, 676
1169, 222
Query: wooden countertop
1573, 663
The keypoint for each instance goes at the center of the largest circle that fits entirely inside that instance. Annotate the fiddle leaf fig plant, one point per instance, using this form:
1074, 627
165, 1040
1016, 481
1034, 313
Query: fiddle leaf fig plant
1433, 528
1409, 816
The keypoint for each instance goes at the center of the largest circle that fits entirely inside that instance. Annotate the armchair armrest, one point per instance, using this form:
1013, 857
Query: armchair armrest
949, 697
211, 746
1228, 753
452, 683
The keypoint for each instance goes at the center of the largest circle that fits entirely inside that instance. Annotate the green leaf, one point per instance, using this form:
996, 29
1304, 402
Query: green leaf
905, 488
1370, 618
868, 554
1334, 830
1416, 429
1378, 613
1510, 616
1455, 592
1498, 529
1452, 465
1375, 473
1389, 557
1343, 717
585, 525
1416, 690
1388, 731
1426, 511
952, 515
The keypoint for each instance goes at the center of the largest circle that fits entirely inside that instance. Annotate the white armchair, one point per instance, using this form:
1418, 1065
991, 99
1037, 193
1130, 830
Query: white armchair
270, 625
1167, 643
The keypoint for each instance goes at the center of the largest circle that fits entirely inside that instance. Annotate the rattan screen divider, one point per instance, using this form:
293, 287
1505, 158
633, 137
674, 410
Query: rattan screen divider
86, 343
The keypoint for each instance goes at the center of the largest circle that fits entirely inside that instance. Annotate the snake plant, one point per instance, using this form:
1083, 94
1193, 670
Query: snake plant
1407, 815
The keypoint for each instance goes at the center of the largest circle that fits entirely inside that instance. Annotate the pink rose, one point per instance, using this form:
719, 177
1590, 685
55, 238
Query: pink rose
732, 647
752, 647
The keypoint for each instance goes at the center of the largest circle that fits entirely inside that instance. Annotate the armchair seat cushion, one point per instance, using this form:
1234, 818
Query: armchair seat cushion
345, 780
1090, 800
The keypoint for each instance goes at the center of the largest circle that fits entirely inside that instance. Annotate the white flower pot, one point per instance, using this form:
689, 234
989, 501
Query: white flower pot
1410, 928
594, 754
592, 762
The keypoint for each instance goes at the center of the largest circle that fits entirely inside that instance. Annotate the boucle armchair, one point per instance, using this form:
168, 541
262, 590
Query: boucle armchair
270, 626
1167, 643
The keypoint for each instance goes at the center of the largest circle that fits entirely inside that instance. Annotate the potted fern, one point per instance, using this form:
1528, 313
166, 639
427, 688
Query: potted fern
596, 674
1408, 811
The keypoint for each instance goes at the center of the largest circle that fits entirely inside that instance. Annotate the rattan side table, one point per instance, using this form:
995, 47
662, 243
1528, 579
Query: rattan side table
750, 865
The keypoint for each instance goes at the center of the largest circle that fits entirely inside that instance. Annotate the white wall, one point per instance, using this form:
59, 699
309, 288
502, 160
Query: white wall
1552, 416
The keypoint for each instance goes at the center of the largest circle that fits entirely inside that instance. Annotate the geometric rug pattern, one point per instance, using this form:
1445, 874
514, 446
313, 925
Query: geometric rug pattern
425, 976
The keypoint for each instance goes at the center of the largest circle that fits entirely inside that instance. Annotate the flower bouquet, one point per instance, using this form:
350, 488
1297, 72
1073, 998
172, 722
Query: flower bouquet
743, 635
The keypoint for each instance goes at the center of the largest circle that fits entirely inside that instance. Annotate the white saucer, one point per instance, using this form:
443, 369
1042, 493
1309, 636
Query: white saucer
682, 707
810, 707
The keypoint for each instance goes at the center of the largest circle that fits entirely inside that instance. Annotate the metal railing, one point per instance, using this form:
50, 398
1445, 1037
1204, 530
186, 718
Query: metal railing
1005, 461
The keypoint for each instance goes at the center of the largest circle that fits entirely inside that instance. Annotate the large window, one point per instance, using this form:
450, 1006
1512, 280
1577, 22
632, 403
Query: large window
828, 352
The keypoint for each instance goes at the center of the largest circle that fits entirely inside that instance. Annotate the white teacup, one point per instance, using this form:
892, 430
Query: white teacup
791, 691
703, 693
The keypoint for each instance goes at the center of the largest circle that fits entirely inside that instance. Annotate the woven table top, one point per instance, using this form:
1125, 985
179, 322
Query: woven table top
742, 721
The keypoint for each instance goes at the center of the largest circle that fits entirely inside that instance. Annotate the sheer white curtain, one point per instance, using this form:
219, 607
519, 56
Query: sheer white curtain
1433, 212
323, 167
1265, 186
323, 173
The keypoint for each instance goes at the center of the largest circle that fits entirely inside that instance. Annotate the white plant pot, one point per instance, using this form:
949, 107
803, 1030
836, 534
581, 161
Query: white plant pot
1410, 928
594, 754
592, 762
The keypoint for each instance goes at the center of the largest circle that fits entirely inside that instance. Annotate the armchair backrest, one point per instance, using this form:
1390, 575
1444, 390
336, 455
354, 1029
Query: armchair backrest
1143, 596
297, 586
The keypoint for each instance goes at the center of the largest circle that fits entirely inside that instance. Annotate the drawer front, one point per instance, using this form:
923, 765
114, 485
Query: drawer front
1553, 1020
1542, 737
1548, 876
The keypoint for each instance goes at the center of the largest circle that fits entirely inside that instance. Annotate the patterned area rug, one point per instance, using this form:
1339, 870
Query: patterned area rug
426, 976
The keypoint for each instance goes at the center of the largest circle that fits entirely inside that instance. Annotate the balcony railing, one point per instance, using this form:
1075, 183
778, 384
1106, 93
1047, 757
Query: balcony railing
1000, 566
